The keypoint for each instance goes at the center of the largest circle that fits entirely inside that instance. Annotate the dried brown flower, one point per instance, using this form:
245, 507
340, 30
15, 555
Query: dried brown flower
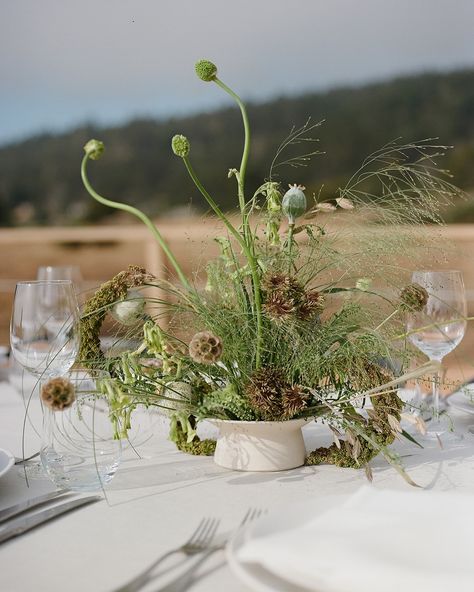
311, 305
294, 400
413, 298
265, 392
205, 348
282, 295
58, 394
279, 306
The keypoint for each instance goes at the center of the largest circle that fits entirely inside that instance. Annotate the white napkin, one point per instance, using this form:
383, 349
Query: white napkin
377, 541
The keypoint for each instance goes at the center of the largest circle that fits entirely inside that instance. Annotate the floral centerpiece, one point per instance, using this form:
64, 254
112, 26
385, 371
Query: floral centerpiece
295, 321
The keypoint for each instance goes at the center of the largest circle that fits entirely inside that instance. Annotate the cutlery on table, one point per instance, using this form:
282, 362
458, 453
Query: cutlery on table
20, 524
29, 504
186, 579
199, 541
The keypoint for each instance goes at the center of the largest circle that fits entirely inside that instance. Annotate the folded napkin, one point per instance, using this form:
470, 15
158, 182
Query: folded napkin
376, 541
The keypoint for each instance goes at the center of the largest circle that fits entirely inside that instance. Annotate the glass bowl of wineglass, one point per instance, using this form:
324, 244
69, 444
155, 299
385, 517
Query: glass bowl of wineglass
437, 330
44, 331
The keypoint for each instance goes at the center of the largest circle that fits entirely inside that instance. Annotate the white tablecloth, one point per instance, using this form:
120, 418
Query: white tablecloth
155, 502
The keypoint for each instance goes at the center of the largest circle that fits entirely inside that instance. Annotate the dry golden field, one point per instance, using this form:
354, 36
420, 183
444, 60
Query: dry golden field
103, 251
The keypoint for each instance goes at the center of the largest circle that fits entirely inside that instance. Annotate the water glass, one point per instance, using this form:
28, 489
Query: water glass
78, 450
44, 330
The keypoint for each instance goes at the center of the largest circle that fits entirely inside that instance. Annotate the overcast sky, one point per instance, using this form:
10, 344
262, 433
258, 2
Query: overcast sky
66, 61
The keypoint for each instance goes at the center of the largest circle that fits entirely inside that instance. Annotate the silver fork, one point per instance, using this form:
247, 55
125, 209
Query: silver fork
186, 579
198, 542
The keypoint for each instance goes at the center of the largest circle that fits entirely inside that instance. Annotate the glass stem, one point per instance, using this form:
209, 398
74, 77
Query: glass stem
436, 385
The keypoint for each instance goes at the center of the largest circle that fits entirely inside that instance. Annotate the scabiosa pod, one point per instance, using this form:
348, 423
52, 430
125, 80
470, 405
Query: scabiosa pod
180, 145
58, 394
294, 203
206, 70
94, 149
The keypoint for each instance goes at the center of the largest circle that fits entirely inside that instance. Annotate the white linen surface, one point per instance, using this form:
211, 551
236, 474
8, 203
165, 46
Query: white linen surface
383, 541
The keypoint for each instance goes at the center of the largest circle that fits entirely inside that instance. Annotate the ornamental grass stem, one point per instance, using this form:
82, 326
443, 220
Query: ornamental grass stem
248, 254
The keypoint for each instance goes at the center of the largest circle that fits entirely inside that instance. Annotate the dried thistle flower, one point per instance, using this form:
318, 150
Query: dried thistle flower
413, 298
294, 400
279, 306
311, 305
282, 295
205, 348
58, 394
265, 392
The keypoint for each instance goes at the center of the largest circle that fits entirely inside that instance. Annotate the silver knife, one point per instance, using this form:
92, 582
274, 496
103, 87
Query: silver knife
11, 511
22, 524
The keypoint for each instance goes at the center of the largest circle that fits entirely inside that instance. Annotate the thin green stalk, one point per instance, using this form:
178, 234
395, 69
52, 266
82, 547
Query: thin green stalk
248, 254
390, 316
245, 154
140, 215
290, 244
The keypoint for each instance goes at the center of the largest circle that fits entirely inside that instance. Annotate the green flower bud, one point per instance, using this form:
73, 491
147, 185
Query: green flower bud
294, 203
180, 145
206, 70
94, 149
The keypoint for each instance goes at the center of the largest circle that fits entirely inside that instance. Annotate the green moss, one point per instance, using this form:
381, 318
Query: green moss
96, 308
377, 429
196, 447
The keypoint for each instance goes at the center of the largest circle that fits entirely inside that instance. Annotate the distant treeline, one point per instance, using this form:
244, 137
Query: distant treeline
40, 181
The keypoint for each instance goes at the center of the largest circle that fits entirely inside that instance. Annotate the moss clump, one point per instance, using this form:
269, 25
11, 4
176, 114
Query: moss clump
196, 447
97, 307
377, 429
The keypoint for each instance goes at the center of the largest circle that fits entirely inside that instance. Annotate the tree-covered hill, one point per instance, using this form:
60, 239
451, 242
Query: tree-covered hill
40, 181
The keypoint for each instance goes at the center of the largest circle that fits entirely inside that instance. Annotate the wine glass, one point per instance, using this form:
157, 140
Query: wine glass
44, 330
62, 272
44, 334
438, 329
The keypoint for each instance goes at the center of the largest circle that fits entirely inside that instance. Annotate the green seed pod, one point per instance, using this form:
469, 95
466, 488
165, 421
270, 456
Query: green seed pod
180, 145
130, 310
206, 70
294, 203
94, 149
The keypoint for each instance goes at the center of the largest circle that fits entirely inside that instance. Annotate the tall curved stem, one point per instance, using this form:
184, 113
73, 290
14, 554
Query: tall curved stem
140, 215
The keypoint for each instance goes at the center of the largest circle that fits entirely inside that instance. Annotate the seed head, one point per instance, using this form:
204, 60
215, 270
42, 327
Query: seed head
206, 70
58, 394
205, 348
413, 298
294, 203
94, 149
180, 145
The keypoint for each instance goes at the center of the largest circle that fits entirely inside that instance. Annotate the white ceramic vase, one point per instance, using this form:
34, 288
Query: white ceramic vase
260, 445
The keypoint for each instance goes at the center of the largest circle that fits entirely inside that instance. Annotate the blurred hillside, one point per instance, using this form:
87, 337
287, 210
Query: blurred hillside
40, 182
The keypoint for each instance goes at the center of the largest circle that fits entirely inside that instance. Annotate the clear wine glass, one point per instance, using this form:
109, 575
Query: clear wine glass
44, 330
44, 335
62, 272
438, 329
